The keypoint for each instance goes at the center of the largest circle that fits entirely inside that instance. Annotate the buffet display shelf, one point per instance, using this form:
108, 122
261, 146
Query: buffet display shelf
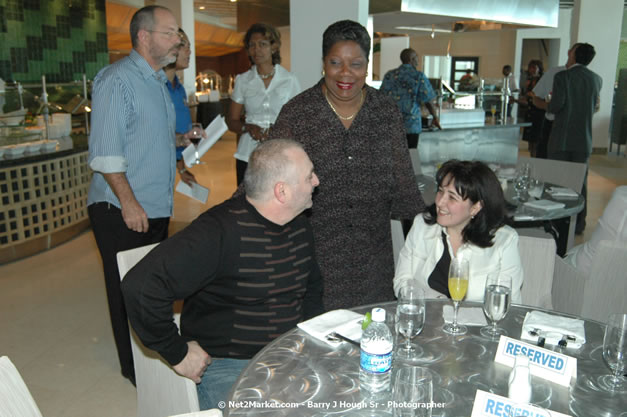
43, 197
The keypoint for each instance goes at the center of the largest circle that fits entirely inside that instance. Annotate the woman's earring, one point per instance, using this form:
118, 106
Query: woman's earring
323, 73
366, 73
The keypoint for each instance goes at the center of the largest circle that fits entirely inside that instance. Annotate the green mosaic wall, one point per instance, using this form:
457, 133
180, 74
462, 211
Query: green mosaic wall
59, 38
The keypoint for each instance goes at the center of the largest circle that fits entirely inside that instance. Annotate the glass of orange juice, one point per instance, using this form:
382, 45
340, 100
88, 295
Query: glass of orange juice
457, 287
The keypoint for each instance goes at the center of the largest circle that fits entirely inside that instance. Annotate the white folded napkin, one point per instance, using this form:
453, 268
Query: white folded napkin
470, 316
545, 204
553, 329
523, 217
345, 322
562, 192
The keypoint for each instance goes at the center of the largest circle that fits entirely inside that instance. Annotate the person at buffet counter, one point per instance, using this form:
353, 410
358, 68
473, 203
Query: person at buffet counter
533, 114
261, 92
246, 269
574, 101
467, 220
410, 88
132, 154
507, 73
354, 135
513, 86
179, 96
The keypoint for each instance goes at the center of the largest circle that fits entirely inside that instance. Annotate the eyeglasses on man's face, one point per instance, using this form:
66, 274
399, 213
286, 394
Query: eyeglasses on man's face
168, 34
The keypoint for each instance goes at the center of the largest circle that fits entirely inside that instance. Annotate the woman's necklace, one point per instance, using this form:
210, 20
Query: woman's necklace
266, 76
361, 101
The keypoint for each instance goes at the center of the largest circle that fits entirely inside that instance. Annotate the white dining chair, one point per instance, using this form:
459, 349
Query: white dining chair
161, 392
597, 294
537, 255
563, 173
15, 398
206, 413
415, 160
398, 238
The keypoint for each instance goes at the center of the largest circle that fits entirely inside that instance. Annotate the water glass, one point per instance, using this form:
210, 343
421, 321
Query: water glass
496, 302
615, 354
536, 188
410, 317
413, 392
521, 182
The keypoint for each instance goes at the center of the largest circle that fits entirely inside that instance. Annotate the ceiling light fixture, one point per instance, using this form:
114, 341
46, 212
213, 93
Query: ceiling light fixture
423, 29
432, 31
201, 7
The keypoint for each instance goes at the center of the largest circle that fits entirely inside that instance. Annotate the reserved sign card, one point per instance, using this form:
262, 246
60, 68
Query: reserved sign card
492, 405
544, 363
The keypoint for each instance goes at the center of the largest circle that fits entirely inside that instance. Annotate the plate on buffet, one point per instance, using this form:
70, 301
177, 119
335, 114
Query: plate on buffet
50, 145
15, 150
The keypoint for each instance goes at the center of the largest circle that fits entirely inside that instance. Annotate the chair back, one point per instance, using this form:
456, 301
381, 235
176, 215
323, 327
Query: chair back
537, 256
206, 413
564, 173
398, 238
161, 392
606, 288
415, 160
15, 398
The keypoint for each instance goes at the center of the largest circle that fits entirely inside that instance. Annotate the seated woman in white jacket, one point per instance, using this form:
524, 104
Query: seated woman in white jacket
467, 220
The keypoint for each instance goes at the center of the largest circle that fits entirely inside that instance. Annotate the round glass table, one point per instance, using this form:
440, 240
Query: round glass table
298, 375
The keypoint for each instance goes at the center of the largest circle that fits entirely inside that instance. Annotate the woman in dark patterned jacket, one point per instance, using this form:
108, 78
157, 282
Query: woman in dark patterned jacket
355, 137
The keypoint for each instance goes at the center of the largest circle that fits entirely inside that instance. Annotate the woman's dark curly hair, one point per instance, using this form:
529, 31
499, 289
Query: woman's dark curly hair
270, 33
475, 181
345, 30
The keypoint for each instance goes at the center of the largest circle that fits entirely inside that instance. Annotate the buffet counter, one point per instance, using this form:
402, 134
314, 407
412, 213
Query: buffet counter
491, 143
44, 197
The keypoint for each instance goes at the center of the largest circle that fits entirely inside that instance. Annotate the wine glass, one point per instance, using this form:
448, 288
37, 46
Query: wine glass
493, 111
496, 302
521, 182
615, 353
266, 123
457, 287
195, 135
410, 317
413, 392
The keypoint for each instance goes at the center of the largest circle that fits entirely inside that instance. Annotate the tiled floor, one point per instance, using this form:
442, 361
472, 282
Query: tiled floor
54, 323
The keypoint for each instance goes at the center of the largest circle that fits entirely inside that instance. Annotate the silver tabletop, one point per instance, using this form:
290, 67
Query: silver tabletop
297, 375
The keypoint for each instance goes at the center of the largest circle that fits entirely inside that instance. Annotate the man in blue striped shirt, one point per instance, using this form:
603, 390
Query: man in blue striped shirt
132, 154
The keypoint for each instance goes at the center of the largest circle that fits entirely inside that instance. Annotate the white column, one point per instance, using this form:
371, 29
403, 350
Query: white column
308, 20
587, 24
391, 53
183, 11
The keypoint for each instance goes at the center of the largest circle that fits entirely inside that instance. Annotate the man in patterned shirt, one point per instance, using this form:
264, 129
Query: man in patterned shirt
245, 268
410, 88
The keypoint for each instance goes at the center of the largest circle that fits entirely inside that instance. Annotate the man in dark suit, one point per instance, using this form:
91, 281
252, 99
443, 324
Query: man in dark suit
574, 100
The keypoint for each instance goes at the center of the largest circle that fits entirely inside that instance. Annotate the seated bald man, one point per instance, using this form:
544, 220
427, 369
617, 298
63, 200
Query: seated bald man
246, 269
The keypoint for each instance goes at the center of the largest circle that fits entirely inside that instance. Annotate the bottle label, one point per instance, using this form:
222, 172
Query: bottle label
374, 363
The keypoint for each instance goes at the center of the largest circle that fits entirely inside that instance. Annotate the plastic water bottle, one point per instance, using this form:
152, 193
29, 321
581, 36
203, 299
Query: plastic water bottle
376, 354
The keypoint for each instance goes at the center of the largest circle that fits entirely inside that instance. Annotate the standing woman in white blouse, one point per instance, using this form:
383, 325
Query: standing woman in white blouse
467, 220
260, 92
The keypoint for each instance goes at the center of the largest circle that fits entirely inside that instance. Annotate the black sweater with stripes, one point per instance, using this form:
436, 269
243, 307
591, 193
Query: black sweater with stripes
244, 279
